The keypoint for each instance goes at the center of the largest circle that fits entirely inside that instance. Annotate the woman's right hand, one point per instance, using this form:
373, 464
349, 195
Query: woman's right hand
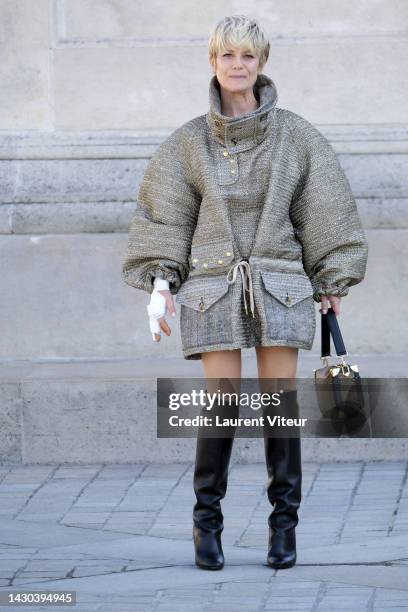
161, 301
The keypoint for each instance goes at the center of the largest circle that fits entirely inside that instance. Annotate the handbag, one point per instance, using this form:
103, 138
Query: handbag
338, 387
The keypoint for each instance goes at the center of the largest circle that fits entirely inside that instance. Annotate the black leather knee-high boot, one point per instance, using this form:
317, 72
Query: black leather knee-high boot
210, 485
284, 465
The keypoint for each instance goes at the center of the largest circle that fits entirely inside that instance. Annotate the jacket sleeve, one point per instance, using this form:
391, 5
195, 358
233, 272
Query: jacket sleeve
325, 217
162, 227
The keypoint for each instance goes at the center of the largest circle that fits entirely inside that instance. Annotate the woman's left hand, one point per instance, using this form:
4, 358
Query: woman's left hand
330, 300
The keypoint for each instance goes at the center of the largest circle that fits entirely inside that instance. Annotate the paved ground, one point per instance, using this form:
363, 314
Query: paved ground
120, 536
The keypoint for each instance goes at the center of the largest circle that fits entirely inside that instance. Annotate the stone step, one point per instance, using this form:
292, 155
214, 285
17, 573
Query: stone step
81, 411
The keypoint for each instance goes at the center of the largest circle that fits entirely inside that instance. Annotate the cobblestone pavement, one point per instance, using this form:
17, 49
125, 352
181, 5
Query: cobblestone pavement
120, 536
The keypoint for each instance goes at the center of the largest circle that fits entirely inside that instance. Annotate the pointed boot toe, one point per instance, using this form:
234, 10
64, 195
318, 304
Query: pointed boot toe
282, 548
208, 549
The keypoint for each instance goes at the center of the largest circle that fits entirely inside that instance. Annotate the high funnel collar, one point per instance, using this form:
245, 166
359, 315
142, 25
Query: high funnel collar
246, 131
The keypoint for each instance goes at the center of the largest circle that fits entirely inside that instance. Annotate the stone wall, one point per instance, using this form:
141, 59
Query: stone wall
89, 88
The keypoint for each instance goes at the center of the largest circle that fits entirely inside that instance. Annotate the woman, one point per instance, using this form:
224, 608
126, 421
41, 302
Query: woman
247, 217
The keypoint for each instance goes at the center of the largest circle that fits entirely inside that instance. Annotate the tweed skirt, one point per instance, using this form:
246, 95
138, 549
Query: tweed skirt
213, 316
247, 328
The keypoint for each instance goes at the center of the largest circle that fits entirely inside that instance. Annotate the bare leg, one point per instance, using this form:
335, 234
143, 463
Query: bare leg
277, 361
222, 364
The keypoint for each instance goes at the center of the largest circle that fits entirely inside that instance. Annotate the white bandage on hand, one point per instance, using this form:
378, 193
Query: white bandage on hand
161, 283
157, 306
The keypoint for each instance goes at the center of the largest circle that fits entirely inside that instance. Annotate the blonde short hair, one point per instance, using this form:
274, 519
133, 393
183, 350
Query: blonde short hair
239, 31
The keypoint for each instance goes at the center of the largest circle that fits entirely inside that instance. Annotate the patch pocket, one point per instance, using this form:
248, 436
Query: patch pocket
227, 167
289, 307
205, 315
209, 256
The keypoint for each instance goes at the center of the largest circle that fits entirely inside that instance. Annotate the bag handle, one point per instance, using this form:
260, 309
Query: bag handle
330, 325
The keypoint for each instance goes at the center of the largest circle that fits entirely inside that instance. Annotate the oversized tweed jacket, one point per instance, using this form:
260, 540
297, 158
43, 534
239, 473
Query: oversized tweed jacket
309, 226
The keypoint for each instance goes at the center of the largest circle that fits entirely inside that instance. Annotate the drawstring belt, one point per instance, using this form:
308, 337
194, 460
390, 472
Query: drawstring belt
245, 269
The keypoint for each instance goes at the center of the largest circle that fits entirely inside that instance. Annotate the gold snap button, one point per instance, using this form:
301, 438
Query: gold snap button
232, 171
205, 265
228, 253
195, 260
220, 261
226, 153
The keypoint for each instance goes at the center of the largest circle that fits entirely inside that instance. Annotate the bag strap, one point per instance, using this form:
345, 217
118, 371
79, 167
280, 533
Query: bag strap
330, 325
